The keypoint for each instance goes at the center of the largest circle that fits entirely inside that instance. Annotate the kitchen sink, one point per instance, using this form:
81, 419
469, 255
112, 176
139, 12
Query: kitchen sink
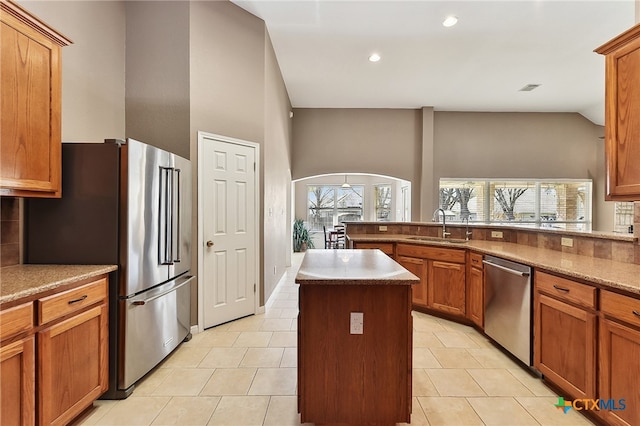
439, 239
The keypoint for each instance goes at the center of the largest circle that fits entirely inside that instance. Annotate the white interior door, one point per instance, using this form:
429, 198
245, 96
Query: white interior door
229, 235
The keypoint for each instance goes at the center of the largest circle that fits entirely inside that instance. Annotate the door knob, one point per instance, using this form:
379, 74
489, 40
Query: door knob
209, 243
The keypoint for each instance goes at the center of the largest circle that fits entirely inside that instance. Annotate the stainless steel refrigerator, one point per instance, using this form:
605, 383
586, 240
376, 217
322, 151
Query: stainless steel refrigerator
125, 203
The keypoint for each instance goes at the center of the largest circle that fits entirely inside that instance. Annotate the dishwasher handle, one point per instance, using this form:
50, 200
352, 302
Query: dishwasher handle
504, 268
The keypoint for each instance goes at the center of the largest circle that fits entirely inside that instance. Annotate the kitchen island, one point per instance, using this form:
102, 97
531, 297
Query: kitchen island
354, 338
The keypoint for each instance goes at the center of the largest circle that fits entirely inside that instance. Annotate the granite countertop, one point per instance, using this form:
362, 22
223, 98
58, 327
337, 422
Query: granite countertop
21, 281
352, 267
604, 273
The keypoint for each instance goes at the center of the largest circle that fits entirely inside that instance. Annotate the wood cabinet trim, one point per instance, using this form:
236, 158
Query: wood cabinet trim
616, 43
16, 320
34, 23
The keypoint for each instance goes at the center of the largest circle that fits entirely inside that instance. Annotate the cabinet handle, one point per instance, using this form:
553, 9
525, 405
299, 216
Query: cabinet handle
557, 287
71, 302
636, 313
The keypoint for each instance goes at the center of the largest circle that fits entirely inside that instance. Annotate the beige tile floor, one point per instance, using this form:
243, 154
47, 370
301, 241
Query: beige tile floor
244, 373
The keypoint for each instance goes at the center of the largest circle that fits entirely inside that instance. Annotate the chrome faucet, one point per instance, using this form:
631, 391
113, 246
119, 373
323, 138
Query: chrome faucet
444, 222
467, 232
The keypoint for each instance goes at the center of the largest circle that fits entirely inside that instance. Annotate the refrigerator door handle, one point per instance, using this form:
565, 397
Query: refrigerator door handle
176, 218
164, 241
140, 301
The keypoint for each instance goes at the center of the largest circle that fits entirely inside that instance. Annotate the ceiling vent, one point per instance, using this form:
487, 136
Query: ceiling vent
529, 87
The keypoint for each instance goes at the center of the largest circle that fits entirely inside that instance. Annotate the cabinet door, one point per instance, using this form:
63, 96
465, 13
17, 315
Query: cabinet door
73, 360
417, 267
565, 346
17, 383
446, 290
30, 67
622, 116
619, 372
475, 296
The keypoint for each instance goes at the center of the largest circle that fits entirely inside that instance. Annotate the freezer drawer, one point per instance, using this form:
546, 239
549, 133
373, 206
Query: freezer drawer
155, 322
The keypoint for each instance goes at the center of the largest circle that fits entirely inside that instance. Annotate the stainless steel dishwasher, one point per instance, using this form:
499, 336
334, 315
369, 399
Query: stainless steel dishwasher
507, 306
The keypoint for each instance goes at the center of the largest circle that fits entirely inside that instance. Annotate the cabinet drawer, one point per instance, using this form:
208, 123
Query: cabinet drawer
59, 305
475, 260
386, 248
567, 290
16, 320
437, 253
621, 307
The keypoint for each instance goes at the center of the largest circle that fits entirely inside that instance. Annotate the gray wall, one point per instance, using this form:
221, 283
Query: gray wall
190, 66
464, 144
276, 169
157, 77
237, 90
381, 141
93, 67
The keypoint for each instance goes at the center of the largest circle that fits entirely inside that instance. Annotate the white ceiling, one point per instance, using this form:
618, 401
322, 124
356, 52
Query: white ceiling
480, 64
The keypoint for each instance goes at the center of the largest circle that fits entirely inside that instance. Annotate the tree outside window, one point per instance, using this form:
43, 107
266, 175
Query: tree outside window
382, 194
562, 203
331, 204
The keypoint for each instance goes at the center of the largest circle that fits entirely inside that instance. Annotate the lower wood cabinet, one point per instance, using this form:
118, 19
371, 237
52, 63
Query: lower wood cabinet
17, 382
55, 361
565, 334
442, 276
357, 379
73, 365
475, 289
417, 267
619, 354
446, 291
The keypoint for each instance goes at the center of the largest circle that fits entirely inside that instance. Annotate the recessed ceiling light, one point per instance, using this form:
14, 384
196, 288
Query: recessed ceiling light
450, 21
374, 57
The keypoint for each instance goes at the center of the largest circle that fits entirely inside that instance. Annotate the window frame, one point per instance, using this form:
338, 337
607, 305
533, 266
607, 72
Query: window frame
489, 205
314, 224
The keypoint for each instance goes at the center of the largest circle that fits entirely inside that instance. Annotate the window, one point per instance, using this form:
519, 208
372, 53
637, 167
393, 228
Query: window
382, 195
564, 203
623, 216
332, 204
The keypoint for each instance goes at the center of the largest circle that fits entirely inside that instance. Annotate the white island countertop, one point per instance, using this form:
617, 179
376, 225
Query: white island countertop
352, 267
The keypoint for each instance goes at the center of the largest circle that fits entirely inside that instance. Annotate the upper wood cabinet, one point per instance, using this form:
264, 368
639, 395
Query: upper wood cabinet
622, 115
30, 132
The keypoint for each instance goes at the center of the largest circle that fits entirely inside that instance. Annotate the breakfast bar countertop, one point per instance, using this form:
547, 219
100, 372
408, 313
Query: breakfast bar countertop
351, 267
608, 274
23, 281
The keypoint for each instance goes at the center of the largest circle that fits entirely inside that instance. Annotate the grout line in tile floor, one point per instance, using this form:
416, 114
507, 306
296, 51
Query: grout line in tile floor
244, 373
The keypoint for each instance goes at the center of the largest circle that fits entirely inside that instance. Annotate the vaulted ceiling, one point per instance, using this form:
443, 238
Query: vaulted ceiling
479, 64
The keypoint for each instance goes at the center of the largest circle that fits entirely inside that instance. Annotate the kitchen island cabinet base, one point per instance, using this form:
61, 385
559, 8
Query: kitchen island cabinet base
355, 378
355, 334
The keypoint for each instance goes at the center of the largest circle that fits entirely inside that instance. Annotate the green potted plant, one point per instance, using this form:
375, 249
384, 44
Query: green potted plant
301, 237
